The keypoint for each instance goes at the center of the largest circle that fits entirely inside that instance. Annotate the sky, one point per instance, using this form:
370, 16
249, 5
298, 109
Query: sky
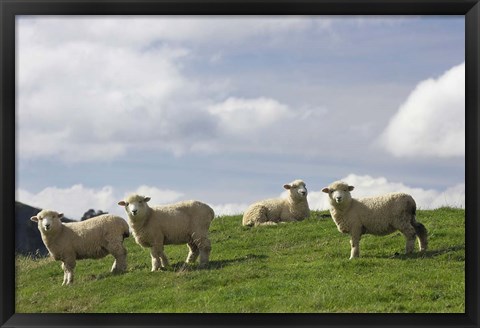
228, 109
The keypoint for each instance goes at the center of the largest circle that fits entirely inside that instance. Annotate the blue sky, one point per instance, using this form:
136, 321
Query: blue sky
228, 109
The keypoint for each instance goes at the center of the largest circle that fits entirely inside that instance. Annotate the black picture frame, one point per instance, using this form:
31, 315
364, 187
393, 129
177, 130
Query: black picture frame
10, 8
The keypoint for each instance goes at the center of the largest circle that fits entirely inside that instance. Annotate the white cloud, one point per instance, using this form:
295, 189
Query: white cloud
240, 116
367, 186
159, 196
92, 88
84, 101
431, 122
265, 125
229, 209
140, 31
453, 196
317, 201
73, 201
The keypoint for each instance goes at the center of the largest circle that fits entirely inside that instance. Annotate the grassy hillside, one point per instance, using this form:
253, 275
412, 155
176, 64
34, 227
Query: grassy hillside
295, 267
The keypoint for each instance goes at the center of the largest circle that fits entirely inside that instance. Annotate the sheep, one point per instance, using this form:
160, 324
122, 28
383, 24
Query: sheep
272, 211
90, 239
184, 222
381, 215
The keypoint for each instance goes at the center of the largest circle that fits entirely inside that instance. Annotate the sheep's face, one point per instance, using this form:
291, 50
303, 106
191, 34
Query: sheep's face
135, 205
298, 189
47, 221
338, 192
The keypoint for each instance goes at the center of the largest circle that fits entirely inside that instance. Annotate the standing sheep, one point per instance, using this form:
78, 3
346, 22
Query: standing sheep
378, 216
271, 211
91, 239
185, 222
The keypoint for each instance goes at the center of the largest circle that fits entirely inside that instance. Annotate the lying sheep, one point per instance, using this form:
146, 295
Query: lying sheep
91, 239
185, 222
379, 216
271, 211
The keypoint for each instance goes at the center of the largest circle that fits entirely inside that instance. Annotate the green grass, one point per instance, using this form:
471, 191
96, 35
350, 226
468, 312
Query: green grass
296, 267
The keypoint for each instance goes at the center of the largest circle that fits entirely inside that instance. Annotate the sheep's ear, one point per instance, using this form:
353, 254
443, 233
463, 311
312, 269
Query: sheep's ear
34, 219
60, 215
146, 199
326, 190
350, 188
287, 186
122, 203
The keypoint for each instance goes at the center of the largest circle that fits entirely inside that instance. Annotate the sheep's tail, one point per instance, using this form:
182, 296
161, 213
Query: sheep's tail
421, 233
126, 231
211, 214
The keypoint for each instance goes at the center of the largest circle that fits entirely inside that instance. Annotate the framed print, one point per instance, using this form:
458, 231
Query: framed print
242, 163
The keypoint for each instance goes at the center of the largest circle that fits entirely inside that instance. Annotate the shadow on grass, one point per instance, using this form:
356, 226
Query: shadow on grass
429, 253
104, 275
215, 265
181, 266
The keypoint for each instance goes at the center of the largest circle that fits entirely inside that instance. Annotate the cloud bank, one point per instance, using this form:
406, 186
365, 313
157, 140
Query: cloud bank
87, 95
74, 201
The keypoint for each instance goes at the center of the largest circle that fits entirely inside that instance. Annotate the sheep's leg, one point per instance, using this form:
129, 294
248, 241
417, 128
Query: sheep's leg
64, 274
159, 259
205, 247
154, 253
164, 259
193, 252
355, 244
267, 223
262, 217
68, 268
120, 254
409, 232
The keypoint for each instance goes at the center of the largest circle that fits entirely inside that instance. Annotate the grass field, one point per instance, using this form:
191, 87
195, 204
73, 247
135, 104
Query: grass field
298, 267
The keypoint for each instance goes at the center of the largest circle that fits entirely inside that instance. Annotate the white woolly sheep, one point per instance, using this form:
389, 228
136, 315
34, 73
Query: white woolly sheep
378, 216
272, 211
90, 239
184, 222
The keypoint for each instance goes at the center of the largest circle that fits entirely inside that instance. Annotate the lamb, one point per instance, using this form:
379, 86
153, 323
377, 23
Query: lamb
184, 222
273, 211
91, 239
381, 215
